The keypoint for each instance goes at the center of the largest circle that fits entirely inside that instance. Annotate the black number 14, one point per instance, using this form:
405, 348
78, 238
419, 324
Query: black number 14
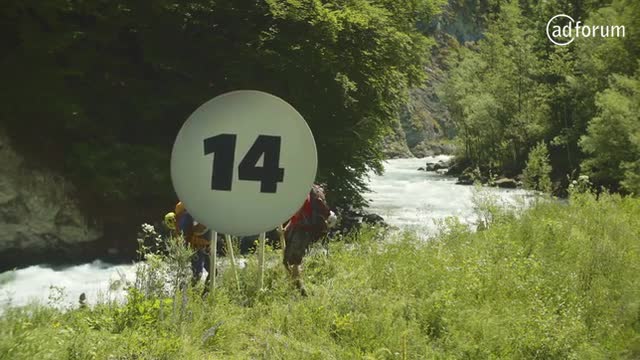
224, 146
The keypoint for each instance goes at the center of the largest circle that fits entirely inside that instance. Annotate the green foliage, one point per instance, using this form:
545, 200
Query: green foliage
613, 137
536, 175
514, 88
558, 281
497, 106
113, 82
162, 257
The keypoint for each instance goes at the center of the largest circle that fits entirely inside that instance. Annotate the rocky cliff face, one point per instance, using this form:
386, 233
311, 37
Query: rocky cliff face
424, 128
425, 125
395, 144
40, 220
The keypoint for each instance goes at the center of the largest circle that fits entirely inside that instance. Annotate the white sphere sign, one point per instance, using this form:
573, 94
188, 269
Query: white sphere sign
243, 162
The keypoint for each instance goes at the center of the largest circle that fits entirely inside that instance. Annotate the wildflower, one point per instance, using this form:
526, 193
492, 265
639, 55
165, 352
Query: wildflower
148, 229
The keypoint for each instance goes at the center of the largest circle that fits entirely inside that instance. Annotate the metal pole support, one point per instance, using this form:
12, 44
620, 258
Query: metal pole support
261, 245
213, 253
232, 259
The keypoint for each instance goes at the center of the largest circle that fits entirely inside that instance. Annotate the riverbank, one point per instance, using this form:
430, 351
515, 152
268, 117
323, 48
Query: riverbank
557, 281
404, 197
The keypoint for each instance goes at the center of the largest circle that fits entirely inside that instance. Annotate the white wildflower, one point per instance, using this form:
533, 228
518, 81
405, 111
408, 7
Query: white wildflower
148, 229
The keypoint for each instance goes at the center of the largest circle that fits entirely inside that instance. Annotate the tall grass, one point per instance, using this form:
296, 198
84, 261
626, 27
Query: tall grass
558, 281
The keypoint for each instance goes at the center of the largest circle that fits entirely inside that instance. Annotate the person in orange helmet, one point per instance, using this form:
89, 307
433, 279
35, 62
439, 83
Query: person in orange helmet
199, 239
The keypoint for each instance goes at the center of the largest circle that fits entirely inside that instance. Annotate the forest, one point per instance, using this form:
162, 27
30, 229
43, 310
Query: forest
522, 104
114, 80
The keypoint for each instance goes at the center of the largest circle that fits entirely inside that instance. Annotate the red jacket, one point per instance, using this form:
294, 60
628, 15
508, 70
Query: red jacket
305, 210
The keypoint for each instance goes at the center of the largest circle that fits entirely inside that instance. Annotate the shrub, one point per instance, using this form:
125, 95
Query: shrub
537, 173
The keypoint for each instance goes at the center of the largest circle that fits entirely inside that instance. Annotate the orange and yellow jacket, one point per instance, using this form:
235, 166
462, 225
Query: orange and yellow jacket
193, 234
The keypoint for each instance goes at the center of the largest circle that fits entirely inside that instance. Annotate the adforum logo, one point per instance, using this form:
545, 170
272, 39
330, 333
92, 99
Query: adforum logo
562, 30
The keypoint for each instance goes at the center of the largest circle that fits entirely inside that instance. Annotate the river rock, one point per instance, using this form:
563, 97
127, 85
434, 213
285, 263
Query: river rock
428, 148
506, 183
374, 219
435, 166
464, 180
441, 165
422, 150
40, 217
351, 220
421, 169
469, 176
456, 167
442, 171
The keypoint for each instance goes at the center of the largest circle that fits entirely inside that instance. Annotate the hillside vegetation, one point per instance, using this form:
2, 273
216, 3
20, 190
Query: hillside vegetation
513, 89
99, 90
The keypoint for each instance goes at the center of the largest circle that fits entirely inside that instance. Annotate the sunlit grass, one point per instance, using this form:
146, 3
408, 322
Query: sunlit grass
559, 281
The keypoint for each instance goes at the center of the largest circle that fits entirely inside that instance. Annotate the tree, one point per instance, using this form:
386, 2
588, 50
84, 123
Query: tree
113, 82
497, 105
612, 141
515, 88
536, 175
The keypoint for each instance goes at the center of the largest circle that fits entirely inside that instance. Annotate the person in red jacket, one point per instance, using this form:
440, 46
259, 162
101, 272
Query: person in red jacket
306, 226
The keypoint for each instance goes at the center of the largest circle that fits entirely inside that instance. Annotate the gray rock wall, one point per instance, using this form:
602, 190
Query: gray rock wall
38, 211
425, 123
395, 144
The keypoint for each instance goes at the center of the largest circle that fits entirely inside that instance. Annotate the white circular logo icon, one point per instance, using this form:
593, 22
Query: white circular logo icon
243, 162
561, 32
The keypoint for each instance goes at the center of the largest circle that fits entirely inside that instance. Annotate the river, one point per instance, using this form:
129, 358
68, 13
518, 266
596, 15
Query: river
407, 198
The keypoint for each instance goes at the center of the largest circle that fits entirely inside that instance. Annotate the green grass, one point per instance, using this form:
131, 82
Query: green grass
559, 281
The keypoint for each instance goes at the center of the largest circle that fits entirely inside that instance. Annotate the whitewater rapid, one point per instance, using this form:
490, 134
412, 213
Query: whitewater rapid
417, 200
407, 198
